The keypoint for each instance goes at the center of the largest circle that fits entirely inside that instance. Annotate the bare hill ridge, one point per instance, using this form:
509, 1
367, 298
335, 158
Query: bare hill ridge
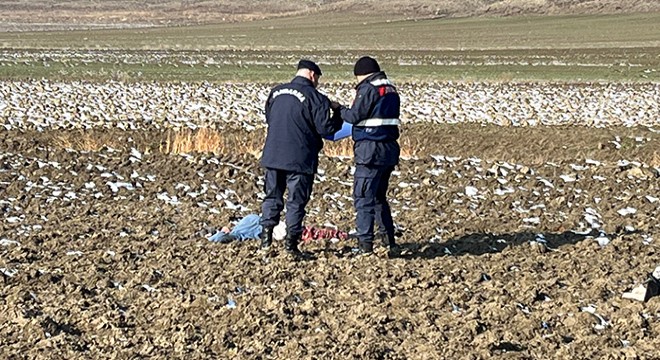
128, 13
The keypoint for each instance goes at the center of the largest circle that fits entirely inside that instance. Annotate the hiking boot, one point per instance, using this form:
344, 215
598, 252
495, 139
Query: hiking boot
386, 240
365, 247
266, 237
394, 250
291, 244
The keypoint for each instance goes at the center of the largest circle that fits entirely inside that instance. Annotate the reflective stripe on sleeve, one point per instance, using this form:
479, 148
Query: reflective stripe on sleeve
380, 82
378, 122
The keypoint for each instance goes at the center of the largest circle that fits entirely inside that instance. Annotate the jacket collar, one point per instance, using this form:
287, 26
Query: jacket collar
302, 80
372, 77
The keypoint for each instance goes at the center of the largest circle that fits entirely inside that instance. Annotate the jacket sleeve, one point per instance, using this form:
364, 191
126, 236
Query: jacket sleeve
364, 102
325, 122
268, 105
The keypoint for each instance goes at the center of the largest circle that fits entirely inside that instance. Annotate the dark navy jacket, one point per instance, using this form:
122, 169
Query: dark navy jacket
298, 116
375, 118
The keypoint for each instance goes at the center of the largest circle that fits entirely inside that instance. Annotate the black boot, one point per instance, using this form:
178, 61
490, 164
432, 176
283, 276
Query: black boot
391, 244
393, 250
291, 244
365, 247
266, 238
387, 240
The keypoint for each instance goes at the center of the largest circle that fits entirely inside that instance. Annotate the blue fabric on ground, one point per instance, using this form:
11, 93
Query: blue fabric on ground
222, 237
248, 228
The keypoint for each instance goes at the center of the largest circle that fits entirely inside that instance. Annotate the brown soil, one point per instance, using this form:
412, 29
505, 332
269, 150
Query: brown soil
127, 275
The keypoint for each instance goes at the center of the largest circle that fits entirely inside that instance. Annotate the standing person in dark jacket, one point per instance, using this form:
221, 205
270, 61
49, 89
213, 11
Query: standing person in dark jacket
375, 118
298, 116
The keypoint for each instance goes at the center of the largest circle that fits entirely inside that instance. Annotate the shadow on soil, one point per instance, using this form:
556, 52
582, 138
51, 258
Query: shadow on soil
482, 243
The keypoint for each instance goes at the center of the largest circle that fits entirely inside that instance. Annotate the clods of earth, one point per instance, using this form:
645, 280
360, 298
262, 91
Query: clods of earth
518, 244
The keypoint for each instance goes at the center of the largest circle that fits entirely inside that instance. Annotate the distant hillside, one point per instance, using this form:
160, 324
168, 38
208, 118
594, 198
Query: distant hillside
124, 13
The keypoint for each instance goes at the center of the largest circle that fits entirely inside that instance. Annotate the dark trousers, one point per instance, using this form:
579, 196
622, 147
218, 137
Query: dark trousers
370, 195
299, 188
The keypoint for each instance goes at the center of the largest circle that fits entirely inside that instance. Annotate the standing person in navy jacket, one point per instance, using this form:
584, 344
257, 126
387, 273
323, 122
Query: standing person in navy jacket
298, 116
375, 118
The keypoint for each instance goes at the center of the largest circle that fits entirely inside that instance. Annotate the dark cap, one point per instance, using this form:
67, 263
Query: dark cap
366, 65
310, 65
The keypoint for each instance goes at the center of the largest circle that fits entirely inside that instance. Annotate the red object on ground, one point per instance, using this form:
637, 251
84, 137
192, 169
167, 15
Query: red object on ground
312, 233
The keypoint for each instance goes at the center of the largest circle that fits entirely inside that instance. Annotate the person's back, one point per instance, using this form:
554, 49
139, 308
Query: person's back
377, 132
298, 116
294, 113
375, 116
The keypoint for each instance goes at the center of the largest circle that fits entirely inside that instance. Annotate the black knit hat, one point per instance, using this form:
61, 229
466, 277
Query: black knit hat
366, 65
310, 65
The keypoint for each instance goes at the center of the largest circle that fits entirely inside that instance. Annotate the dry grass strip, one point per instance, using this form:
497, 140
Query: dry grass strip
85, 141
211, 141
344, 148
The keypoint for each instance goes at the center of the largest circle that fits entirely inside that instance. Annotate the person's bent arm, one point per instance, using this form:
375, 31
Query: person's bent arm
364, 101
325, 121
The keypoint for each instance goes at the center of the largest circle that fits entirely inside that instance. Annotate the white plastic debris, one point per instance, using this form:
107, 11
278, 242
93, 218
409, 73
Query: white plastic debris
115, 186
231, 304
532, 220
602, 240
627, 211
170, 200
568, 178
592, 217
500, 192
591, 309
455, 309
647, 239
8, 272
135, 155
639, 293
626, 164
7, 242
524, 308
149, 288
